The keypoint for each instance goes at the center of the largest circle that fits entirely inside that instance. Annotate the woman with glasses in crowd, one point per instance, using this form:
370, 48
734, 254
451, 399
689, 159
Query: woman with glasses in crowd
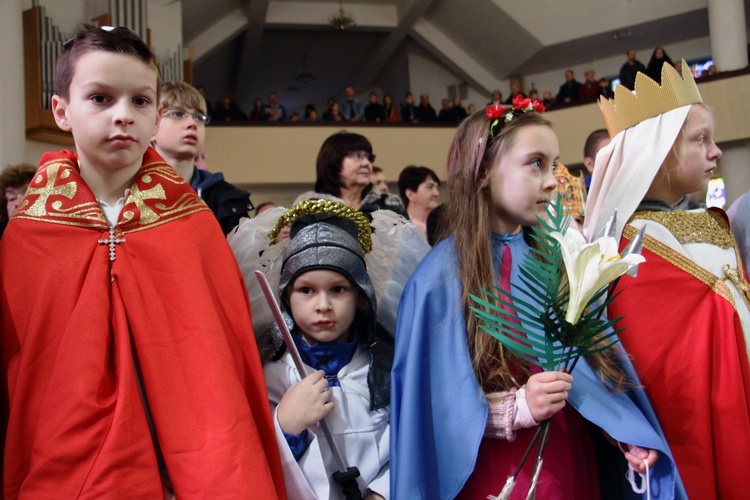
343, 169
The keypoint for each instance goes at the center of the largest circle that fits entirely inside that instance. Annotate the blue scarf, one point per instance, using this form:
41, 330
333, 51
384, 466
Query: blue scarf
330, 357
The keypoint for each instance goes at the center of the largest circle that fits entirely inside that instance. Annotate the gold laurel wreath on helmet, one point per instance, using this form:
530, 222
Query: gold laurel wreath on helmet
334, 208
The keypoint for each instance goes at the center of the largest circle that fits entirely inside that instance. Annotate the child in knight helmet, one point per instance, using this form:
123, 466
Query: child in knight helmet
464, 409
328, 296
686, 312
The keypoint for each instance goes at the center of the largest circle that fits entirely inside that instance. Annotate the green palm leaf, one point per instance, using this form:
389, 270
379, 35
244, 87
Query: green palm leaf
543, 337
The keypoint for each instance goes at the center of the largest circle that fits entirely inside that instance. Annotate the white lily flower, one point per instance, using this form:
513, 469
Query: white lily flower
590, 267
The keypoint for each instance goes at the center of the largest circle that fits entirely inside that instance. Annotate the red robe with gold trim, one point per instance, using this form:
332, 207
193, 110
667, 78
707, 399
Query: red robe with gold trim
74, 322
684, 331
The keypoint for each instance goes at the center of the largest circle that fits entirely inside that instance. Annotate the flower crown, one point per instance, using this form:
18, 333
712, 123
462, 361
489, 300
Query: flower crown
520, 105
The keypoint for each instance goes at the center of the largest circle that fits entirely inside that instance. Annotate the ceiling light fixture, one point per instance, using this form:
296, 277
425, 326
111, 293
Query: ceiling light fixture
341, 21
305, 75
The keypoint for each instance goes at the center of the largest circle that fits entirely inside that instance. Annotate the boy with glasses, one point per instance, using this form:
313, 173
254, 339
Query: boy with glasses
180, 139
129, 365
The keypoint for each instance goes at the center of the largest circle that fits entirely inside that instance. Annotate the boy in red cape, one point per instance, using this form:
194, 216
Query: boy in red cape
128, 355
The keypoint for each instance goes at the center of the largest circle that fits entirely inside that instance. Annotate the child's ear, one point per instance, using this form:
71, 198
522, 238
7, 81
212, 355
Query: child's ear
158, 120
59, 111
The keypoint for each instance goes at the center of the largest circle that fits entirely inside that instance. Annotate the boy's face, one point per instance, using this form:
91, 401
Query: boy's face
323, 305
180, 137
112, 110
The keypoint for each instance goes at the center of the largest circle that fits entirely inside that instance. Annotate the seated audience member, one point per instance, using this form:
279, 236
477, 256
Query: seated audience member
266, 205
14, 180
180, 139
409, 111
374, 111
227, 110
351, 108
378, 180
311, 114
344, 168
631, 68
534, 95
273, 111
658, 59
256, 114
589, 89
547, 99
202, 91
496, 98
425, 111
446, 113
471, 109
459, 112
419, 188
333, 114
594, 142
391, 111
515, 89
569, 90
294, 117
605, 90
678, 66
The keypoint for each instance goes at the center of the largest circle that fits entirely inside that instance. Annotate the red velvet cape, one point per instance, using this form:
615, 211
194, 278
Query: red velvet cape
72, 321
687, 346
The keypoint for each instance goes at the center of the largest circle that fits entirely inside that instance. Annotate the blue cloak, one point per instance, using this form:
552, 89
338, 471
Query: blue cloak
439, 412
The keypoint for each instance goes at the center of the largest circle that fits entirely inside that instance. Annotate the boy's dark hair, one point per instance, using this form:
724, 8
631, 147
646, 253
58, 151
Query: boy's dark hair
91, 38
592, 141
411, 177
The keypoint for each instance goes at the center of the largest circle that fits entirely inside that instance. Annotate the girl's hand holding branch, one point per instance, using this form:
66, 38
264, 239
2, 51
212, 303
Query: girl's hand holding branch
546, 393
305, 403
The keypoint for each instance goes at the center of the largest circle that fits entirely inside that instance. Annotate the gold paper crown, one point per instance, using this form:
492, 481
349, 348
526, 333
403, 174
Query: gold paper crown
649, 99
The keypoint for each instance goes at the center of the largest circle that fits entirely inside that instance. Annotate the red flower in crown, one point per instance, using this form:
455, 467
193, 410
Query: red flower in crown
494, 111
538, 106
521, 102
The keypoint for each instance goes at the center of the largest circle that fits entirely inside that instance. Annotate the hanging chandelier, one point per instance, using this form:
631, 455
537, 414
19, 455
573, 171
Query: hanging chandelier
305, 75
341, 20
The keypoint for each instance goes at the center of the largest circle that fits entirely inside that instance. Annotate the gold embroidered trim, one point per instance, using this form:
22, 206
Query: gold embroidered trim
685, 264
56, 184
49, 194
692, 227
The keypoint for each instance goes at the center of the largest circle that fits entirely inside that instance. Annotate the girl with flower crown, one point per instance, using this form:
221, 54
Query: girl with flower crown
686, 315
464, 408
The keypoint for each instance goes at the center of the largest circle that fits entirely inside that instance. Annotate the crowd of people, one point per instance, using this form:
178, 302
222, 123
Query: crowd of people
382, 109
133, 367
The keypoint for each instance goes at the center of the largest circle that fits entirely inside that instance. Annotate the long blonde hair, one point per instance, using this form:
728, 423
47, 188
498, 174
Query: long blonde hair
472, 155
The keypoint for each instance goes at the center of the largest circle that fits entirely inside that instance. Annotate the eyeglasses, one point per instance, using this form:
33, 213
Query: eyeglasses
177, 115
70, 41
361, 155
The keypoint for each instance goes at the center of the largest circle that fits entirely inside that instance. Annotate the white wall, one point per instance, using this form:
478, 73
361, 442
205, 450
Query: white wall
427, 74
166, 28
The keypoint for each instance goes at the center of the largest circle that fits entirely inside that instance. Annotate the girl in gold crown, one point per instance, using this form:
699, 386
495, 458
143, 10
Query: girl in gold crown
686, 314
